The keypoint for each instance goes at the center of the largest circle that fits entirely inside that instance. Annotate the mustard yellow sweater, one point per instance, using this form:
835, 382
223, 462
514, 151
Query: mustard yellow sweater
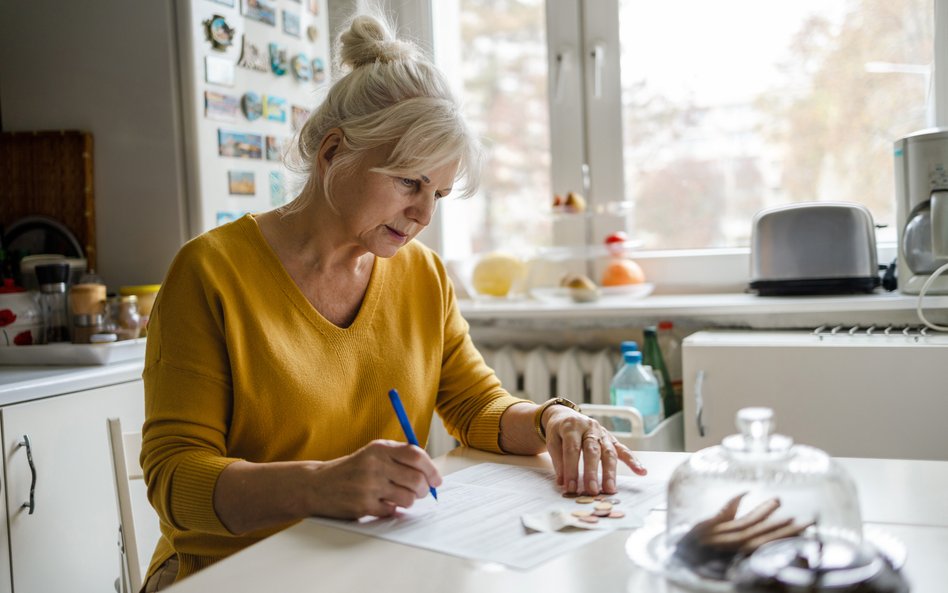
239, 365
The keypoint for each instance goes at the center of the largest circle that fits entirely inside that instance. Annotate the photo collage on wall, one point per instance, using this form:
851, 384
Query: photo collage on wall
264, 63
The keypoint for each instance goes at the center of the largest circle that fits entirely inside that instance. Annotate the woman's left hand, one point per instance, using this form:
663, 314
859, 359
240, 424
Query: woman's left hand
571, 436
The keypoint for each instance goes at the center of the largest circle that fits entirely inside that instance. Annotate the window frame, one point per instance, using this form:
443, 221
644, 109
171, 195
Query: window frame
575, 28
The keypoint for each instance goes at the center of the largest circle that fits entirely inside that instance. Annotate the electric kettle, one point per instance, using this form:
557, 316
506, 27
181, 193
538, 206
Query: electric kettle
921, 190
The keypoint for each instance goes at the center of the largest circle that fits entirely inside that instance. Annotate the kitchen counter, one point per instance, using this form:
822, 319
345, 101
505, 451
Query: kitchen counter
25, 383
734, 309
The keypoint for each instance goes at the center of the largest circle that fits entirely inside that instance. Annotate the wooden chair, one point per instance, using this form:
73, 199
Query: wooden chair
138, 522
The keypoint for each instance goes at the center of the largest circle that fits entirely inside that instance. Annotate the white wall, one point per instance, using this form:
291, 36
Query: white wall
107, 67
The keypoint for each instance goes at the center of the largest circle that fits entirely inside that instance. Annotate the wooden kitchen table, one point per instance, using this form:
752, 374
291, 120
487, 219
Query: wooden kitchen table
906, 499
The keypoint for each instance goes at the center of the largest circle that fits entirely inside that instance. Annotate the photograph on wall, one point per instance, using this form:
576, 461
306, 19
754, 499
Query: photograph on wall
240, 145
277, 188
274, 108
319, 70
225, 216
220, 106
241, 183
260, 10
298, 117
218, 32
291, 23
252, 105
218, 71
300, 67
313, 6
278, 59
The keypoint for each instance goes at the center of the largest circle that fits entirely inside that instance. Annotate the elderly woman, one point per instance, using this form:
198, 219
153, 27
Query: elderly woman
276, 338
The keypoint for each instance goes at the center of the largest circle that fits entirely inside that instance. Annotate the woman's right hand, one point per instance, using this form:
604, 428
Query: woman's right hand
375, 480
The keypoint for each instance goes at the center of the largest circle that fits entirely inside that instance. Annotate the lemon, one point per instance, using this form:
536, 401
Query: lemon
496, 273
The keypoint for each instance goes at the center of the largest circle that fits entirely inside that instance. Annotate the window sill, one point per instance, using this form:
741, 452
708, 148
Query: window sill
722, 310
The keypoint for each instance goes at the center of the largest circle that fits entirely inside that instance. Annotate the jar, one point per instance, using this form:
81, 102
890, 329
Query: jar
21, 319
128, 319
52, 280
85, 326
87, 299
146, 294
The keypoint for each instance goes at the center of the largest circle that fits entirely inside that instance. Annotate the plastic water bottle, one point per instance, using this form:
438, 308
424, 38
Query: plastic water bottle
636, 387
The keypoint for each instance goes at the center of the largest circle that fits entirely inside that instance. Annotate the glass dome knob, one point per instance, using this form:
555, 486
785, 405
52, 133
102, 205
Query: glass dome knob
756, 426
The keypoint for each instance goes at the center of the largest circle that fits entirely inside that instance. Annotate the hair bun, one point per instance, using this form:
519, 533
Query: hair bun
368, 40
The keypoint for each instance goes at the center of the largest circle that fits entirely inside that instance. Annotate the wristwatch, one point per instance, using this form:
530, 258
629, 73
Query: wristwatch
538, 415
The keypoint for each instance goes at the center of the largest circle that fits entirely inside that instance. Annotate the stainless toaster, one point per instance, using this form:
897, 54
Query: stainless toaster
814, 248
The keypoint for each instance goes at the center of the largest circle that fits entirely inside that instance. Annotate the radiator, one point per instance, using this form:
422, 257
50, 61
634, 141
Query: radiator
539, 373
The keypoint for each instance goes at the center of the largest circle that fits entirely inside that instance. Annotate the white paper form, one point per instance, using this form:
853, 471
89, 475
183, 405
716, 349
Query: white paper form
477, 515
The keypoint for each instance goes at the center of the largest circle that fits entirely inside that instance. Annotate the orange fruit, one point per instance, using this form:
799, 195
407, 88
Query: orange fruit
621, 272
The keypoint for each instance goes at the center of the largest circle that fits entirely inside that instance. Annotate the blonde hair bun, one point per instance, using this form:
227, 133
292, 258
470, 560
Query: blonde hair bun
368, 41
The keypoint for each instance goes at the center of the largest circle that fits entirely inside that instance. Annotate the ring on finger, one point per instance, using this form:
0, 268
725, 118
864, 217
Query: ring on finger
591, 436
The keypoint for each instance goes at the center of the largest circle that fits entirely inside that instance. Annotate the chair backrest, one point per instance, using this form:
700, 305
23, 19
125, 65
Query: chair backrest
138, 523
626, 425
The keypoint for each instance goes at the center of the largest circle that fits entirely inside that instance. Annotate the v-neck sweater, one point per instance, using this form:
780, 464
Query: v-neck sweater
240, 366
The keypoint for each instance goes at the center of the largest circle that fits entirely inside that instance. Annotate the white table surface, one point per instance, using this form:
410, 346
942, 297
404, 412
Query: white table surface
907, 499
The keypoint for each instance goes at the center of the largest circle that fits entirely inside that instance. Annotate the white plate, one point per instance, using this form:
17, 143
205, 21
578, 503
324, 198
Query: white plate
73, 354
612, 294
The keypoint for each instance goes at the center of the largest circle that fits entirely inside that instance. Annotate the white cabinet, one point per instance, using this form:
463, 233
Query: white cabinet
852, 395
69, 540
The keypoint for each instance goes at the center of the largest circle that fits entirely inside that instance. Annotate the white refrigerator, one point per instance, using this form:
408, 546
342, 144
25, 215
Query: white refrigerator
853, 392
251, 71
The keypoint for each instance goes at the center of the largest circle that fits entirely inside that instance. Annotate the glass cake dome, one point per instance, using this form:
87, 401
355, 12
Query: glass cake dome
788, 487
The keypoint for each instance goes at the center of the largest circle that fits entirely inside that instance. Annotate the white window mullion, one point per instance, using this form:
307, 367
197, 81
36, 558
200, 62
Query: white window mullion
566, 92
603, 118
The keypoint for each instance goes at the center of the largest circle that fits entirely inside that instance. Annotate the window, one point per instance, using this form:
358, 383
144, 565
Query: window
680, 118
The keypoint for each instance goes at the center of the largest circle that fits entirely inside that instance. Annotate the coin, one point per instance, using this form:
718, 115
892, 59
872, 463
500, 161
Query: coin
571, 494
589, 519
581, 514
585, 500
615, 501
601, 513
616, 514
603, 506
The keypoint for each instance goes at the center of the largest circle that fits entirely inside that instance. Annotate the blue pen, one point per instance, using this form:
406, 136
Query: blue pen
406, 427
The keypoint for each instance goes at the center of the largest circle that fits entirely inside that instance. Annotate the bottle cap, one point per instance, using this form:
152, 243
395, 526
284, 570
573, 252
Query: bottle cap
628, 346
649, 331
55, 273
102, 338
665, 325
632, 357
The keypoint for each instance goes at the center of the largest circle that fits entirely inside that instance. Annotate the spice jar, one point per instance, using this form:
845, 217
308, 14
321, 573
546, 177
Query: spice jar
128, 318
52, 283
146, 294
84, 326
87, 303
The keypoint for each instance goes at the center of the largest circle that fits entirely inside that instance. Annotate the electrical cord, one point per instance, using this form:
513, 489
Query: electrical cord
921, 295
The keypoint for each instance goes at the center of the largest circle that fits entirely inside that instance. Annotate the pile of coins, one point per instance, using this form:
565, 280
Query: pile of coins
603, 507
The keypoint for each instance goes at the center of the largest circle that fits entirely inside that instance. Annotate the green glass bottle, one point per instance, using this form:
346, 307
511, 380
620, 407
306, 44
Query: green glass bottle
652, 356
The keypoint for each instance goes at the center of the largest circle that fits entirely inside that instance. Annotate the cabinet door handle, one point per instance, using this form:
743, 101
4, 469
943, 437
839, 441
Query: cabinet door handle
31, 504
699, 402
